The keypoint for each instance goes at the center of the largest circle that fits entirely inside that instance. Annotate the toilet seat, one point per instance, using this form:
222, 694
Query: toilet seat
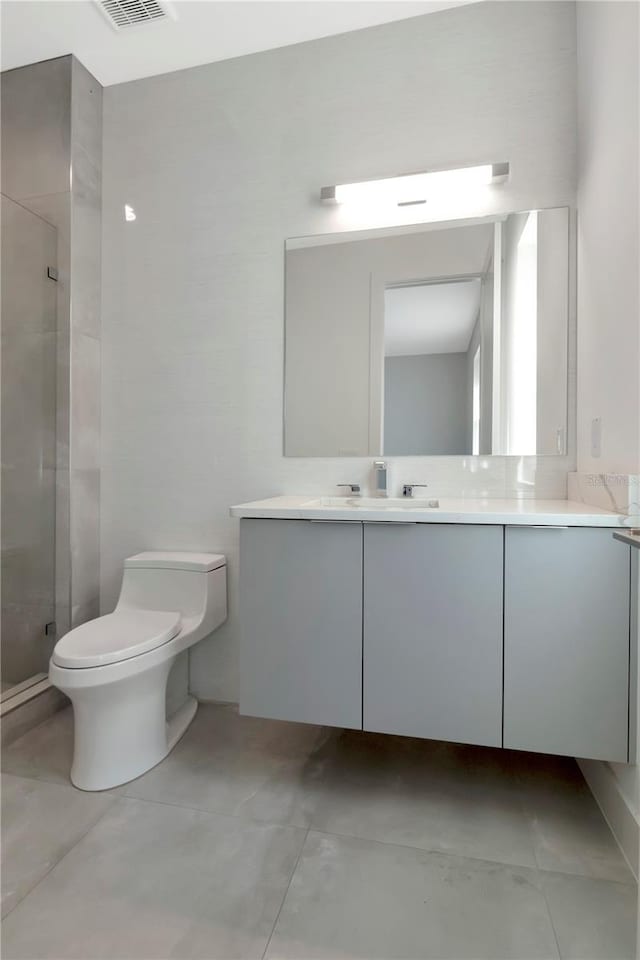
115, 637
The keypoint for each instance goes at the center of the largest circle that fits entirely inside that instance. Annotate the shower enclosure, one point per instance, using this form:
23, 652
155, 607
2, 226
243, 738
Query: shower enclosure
28, 446
51, 181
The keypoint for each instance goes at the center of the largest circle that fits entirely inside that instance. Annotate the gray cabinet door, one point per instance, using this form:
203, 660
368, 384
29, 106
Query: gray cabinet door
566, 642
433, 631
301, 621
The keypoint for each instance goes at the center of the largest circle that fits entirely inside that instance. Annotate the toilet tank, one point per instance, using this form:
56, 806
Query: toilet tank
193, 584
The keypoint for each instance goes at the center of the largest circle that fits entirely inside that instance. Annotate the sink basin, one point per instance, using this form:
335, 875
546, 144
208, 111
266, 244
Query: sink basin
375, 503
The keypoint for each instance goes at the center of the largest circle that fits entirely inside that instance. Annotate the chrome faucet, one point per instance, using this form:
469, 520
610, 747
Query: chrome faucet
380, 467
353, 487
408, 488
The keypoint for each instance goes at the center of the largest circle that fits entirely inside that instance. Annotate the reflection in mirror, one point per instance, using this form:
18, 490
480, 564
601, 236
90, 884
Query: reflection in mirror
438, 339
432, 352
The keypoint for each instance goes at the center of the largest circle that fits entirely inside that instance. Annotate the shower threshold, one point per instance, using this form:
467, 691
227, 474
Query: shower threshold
18, 689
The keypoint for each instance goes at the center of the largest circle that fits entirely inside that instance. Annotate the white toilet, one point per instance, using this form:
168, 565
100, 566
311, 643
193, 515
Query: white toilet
114, 669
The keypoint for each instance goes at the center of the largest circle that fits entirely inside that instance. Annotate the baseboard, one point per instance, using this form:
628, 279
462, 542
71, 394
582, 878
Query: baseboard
615, 809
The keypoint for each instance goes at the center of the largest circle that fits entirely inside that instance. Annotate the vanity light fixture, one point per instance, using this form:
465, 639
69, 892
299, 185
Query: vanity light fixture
416, 188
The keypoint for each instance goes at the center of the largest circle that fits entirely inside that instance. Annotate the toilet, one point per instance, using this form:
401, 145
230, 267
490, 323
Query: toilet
114, 669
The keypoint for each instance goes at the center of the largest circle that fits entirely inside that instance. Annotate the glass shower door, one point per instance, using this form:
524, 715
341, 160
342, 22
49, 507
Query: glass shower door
28, 444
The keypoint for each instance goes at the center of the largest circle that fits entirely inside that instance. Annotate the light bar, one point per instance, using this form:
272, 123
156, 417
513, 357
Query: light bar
415, 188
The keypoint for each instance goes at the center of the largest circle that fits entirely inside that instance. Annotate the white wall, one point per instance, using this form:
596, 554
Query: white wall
608, 296
326, 409
222, 163
608, 250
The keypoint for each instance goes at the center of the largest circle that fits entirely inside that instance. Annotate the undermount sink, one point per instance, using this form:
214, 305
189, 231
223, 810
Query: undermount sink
376, 503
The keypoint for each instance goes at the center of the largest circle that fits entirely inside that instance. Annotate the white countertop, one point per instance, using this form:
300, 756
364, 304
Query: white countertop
556, 513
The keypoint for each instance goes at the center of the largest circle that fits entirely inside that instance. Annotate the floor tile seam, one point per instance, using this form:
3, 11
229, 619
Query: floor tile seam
531, 820
241, 818
430, 851
286, 893
546, 872
539, 886
550, 915
41, 723
313, 828
114, 792
66, 853
467, 856
40, 779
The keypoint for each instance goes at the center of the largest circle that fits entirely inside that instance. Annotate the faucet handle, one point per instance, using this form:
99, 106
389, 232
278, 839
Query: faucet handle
354, 487
407, 489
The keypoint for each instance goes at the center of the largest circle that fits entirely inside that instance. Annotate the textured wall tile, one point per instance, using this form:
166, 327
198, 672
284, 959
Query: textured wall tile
85, 349
85, 542
85, 402
36, 125
86, 112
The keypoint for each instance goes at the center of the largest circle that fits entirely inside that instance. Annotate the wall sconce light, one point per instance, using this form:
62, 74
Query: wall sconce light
129, 213
416, 188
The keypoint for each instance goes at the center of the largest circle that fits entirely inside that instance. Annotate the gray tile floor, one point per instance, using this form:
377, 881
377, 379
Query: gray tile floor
263, 839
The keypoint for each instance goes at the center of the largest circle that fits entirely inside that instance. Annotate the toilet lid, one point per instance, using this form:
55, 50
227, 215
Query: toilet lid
114, 637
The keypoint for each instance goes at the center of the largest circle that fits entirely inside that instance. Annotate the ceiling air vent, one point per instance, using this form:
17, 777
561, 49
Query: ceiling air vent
122, 14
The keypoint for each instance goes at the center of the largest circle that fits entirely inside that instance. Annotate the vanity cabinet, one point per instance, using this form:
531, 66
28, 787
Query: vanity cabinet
514, 636
432, 642
301, 621
566, 642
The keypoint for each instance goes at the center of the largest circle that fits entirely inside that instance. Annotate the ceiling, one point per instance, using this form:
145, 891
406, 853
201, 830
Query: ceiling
202, 32
432, 318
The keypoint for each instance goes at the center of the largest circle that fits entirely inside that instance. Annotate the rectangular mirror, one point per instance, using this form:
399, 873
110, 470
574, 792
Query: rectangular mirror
433, 339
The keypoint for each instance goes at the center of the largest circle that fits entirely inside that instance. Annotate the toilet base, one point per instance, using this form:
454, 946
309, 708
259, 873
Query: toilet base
121, 730
177, 724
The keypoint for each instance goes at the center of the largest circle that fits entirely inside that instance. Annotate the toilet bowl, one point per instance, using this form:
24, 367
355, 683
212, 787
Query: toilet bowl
114, 669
